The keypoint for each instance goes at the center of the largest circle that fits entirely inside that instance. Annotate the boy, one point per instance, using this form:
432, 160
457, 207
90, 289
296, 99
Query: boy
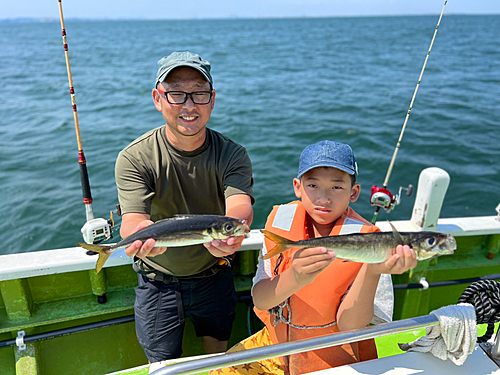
304, 293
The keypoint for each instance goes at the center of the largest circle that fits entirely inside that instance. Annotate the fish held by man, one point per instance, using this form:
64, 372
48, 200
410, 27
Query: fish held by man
371, 247
181, 230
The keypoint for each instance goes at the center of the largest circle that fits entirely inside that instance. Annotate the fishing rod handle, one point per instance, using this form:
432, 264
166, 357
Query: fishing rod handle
84, 176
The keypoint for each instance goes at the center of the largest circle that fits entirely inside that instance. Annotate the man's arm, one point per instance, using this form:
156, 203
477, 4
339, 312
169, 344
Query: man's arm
131, 223
238, 206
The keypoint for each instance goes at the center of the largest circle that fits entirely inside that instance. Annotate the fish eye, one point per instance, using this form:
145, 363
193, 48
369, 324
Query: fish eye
229, 227
431, 241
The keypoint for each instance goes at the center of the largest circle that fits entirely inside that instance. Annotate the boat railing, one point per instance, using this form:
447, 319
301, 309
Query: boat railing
22, 265
299, 346
431, 190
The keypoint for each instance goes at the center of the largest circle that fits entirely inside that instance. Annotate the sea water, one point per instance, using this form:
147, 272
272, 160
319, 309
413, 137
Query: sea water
282, 84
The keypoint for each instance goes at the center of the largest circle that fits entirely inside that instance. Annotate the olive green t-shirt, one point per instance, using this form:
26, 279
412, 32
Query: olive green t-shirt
153, 177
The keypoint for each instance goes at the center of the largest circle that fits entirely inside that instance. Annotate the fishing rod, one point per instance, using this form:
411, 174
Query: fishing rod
382, 197
95, 230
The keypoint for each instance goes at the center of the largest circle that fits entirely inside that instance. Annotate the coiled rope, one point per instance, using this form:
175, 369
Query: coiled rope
484, 295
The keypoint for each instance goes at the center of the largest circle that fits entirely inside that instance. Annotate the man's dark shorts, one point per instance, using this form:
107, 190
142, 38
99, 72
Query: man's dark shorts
159, 318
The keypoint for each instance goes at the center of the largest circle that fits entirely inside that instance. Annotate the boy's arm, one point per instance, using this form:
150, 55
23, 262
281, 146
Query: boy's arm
306, 265
356, 310
268, 293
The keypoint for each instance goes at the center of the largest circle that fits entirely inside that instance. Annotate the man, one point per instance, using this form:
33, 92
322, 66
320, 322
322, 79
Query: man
183, 167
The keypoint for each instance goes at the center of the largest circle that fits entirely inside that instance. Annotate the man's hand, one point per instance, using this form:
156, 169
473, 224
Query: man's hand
309, 263
238, 206
144, 249
403, 260
223, 248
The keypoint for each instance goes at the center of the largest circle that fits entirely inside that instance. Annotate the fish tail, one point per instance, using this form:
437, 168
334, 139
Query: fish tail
101, 250
281, 244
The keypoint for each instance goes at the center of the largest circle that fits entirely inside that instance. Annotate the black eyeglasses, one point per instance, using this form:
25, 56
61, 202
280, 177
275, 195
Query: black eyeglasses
180, 97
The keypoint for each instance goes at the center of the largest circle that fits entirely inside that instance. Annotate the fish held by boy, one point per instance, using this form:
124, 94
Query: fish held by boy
374, 247
181, 230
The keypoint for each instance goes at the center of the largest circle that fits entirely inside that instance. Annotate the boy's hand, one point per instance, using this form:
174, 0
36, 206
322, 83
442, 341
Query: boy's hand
400, 262
222, 248
144, 249
309, 263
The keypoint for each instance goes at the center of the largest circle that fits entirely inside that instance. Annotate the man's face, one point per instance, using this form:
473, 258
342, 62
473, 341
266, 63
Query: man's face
188, 119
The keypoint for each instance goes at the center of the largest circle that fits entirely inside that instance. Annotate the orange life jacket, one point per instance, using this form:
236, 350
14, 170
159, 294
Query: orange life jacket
316, 304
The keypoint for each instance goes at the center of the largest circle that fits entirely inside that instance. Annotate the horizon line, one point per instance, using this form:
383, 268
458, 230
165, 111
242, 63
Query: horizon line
233, 17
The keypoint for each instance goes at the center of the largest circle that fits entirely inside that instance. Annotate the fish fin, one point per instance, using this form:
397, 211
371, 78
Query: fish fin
280, 242
178, 217
101, 250
184, 216
396, 234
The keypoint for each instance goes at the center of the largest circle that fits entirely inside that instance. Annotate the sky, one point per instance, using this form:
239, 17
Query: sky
200, 9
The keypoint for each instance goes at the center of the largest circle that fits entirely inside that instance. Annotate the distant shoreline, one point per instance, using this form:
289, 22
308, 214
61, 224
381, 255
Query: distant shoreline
78, 19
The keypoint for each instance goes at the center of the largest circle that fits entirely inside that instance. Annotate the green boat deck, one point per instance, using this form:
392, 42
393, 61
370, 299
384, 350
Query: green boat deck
53, 302
49, 303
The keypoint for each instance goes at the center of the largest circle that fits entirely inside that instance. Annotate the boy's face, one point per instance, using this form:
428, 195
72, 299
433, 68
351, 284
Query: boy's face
326, 193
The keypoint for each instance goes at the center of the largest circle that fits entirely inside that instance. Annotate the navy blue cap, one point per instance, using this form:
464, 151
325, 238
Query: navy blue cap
328, 154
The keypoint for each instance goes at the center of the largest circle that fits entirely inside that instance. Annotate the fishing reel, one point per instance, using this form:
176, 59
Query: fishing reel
382, 197
98, 230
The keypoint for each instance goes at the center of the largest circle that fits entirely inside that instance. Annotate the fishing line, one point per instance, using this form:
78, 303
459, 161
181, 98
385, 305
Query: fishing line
94, 230
391, 165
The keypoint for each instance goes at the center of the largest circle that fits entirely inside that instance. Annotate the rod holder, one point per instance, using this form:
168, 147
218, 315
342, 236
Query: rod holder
432, 186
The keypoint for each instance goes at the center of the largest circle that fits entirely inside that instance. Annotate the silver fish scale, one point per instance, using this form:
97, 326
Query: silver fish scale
363, 255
